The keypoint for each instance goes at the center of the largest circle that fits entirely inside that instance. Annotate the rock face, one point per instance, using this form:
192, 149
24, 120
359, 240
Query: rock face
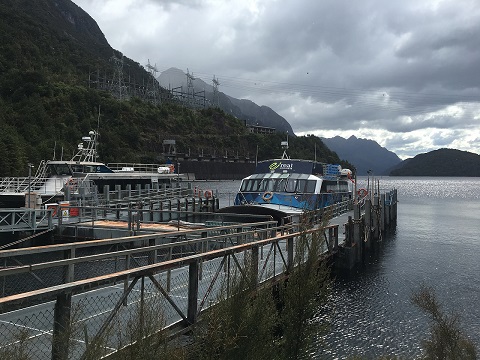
442, 162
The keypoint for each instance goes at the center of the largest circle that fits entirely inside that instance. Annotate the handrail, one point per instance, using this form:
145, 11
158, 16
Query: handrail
146, 269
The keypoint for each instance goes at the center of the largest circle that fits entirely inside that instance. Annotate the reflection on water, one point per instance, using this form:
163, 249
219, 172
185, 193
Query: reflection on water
435, 243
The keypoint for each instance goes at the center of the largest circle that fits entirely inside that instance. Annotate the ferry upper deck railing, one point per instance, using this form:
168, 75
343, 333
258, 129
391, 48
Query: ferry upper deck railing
21, 184
138, 167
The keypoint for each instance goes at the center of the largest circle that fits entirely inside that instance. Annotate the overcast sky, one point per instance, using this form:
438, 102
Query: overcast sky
405, 73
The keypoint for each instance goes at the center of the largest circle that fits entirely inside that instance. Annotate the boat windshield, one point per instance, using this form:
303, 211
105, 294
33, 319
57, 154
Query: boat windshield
290, 183
58, 169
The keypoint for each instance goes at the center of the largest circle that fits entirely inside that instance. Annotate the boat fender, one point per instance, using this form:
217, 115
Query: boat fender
267, 196
362, 192
208, 194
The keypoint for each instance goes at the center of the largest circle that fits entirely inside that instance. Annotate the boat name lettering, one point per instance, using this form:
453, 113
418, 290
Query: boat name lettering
274, 166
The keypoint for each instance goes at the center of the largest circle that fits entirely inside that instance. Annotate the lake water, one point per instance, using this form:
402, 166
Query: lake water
436, 242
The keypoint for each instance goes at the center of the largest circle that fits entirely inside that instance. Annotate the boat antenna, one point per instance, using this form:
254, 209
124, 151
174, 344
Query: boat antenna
285, 147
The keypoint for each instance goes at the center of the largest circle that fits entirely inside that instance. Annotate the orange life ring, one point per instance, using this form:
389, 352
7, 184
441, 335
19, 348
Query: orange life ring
362, 192
208, 194
267, 196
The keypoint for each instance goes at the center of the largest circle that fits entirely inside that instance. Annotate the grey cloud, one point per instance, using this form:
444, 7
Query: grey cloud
341, 65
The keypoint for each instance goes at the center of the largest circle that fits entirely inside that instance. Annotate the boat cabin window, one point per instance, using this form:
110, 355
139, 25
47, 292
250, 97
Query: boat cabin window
333, 186
58, 169
292, 184
305, 186
90, 168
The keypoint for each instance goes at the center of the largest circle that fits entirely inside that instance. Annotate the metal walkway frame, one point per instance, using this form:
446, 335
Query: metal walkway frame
188, 282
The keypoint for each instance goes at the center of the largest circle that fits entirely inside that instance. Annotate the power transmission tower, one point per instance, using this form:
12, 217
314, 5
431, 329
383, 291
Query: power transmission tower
152, 88
190, 88
118, 86
216, 99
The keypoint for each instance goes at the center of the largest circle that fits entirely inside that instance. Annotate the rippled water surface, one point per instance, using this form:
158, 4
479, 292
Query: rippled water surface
436, 243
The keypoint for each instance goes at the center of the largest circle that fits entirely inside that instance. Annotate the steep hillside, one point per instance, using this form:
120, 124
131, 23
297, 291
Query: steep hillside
49, 49
363, 154
240, 108
442, 162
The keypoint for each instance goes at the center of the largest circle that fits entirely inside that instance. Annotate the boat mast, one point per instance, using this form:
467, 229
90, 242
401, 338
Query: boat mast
285, 147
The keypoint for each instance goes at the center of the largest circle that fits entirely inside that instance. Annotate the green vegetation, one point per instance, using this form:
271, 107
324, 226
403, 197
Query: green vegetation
446, 340
49, 50
442, 162
254, 323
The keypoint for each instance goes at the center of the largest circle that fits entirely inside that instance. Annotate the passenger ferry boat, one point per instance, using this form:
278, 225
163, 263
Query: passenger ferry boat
287, 186
53, 178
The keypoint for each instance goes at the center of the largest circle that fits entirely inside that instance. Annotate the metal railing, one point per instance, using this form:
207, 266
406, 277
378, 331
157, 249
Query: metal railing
137, 167
25, 219
182, 286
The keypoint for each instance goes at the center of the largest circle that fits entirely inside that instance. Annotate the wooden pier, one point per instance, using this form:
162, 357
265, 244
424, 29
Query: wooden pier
366, 228
118, 257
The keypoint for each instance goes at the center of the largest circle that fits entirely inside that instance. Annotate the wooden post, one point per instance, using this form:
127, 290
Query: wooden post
169, 271
152, 256
368, 223
376, 219
255, 264
349, 231
179, 208
192, 292
388, 200
356, 231
61, 326
290, 263
69, 274
335, 235
382, 211
106, 194
330, 240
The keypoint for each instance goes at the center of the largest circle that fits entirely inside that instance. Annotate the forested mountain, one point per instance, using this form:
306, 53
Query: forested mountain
442, 162
364, 154
241, 108
50, 50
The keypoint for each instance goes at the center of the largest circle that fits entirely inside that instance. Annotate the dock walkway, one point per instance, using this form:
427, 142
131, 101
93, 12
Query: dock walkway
101, 285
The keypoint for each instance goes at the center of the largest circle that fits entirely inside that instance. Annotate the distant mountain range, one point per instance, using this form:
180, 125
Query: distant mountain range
240, 108
442, 162
364, 154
